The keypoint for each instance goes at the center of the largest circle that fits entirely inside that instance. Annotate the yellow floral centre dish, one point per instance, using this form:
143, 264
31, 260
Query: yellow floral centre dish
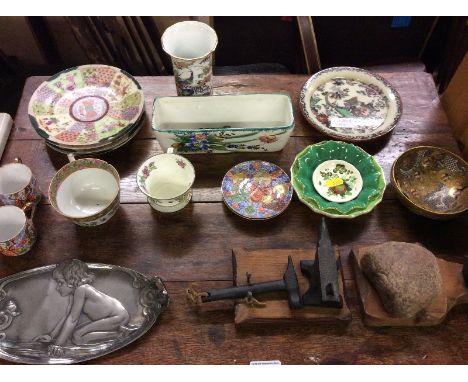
337, 181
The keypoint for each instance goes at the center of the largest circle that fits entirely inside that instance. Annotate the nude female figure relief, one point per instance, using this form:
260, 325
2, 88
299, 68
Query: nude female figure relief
107, 316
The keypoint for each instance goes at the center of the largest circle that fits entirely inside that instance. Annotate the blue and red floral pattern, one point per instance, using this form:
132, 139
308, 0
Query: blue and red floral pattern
257, 190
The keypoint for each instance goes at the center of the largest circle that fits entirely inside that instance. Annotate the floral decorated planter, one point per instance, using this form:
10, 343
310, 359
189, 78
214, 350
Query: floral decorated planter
223, 124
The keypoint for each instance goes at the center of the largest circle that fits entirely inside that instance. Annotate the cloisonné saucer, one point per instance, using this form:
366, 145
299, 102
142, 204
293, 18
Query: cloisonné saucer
256, 190
350, 104
86, 105
337, 180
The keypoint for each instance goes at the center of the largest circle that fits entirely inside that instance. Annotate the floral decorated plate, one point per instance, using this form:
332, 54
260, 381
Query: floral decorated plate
86, 105
102, 148
351, 104
337, 180
309, 159
257, 190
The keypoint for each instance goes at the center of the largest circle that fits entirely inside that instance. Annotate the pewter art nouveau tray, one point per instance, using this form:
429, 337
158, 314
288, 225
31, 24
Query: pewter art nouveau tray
75, 311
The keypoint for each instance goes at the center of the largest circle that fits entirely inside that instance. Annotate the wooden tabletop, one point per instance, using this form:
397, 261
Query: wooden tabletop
194, 246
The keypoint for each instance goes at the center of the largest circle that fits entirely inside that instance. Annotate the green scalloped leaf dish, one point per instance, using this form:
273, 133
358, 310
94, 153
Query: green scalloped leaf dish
372, 175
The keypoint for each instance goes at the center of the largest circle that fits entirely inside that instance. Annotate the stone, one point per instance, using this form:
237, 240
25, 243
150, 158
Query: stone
406, 276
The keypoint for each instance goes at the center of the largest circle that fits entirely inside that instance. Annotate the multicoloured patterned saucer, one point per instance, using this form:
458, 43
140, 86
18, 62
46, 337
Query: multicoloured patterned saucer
337, 180
350, 104
256, 190
86, 105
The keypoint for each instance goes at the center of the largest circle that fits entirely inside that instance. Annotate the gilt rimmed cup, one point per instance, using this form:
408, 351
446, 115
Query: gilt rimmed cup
191, 44
17, 234
86, 191
167, 180
18, 186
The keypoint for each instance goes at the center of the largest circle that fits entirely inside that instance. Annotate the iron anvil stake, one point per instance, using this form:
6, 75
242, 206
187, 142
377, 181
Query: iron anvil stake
322, 274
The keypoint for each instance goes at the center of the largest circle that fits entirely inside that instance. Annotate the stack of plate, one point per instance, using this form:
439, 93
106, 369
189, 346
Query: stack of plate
89, 109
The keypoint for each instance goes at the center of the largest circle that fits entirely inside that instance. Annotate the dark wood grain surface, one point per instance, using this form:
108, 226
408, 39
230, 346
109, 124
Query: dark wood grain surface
195, 244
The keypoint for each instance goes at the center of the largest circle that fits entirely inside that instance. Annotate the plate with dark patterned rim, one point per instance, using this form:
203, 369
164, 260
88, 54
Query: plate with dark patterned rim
256, 190
350, 104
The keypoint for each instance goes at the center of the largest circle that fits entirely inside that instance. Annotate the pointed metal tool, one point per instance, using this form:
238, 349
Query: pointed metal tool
322, 274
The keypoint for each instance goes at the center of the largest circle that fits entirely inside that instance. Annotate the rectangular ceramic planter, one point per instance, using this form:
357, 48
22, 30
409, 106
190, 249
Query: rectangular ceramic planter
223, 123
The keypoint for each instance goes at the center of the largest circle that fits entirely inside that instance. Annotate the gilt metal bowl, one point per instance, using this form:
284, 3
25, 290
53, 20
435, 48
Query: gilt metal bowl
432, 182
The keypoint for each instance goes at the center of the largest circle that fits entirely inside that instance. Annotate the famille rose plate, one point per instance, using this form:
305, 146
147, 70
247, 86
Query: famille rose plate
257, 190
86, 105
350, 104
102, 148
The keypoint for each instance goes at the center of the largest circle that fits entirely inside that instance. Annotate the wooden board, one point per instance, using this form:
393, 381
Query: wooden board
454, 292
269, 265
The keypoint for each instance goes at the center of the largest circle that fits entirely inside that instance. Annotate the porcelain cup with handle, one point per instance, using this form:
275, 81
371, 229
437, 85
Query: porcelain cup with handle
167, 179
18, 186
17, 234
86, 191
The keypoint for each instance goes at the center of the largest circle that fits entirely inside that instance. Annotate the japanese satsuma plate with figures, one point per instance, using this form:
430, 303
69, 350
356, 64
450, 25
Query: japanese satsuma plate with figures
350, 104
256, 190
86, 105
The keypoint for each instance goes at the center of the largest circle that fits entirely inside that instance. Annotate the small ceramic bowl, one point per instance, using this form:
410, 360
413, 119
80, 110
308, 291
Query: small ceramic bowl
350, 104
86, 191
373, 180
431, 182
256, 190
166, 179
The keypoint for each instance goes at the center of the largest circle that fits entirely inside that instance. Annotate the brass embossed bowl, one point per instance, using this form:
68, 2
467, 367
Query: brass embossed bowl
431, 182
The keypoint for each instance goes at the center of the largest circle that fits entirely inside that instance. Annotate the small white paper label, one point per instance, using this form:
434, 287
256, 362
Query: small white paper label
353, 122
276, 362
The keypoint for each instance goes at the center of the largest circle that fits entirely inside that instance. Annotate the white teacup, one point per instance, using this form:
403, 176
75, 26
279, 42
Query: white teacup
191, 45
86, 191
18, 186
17, 234
166, 179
